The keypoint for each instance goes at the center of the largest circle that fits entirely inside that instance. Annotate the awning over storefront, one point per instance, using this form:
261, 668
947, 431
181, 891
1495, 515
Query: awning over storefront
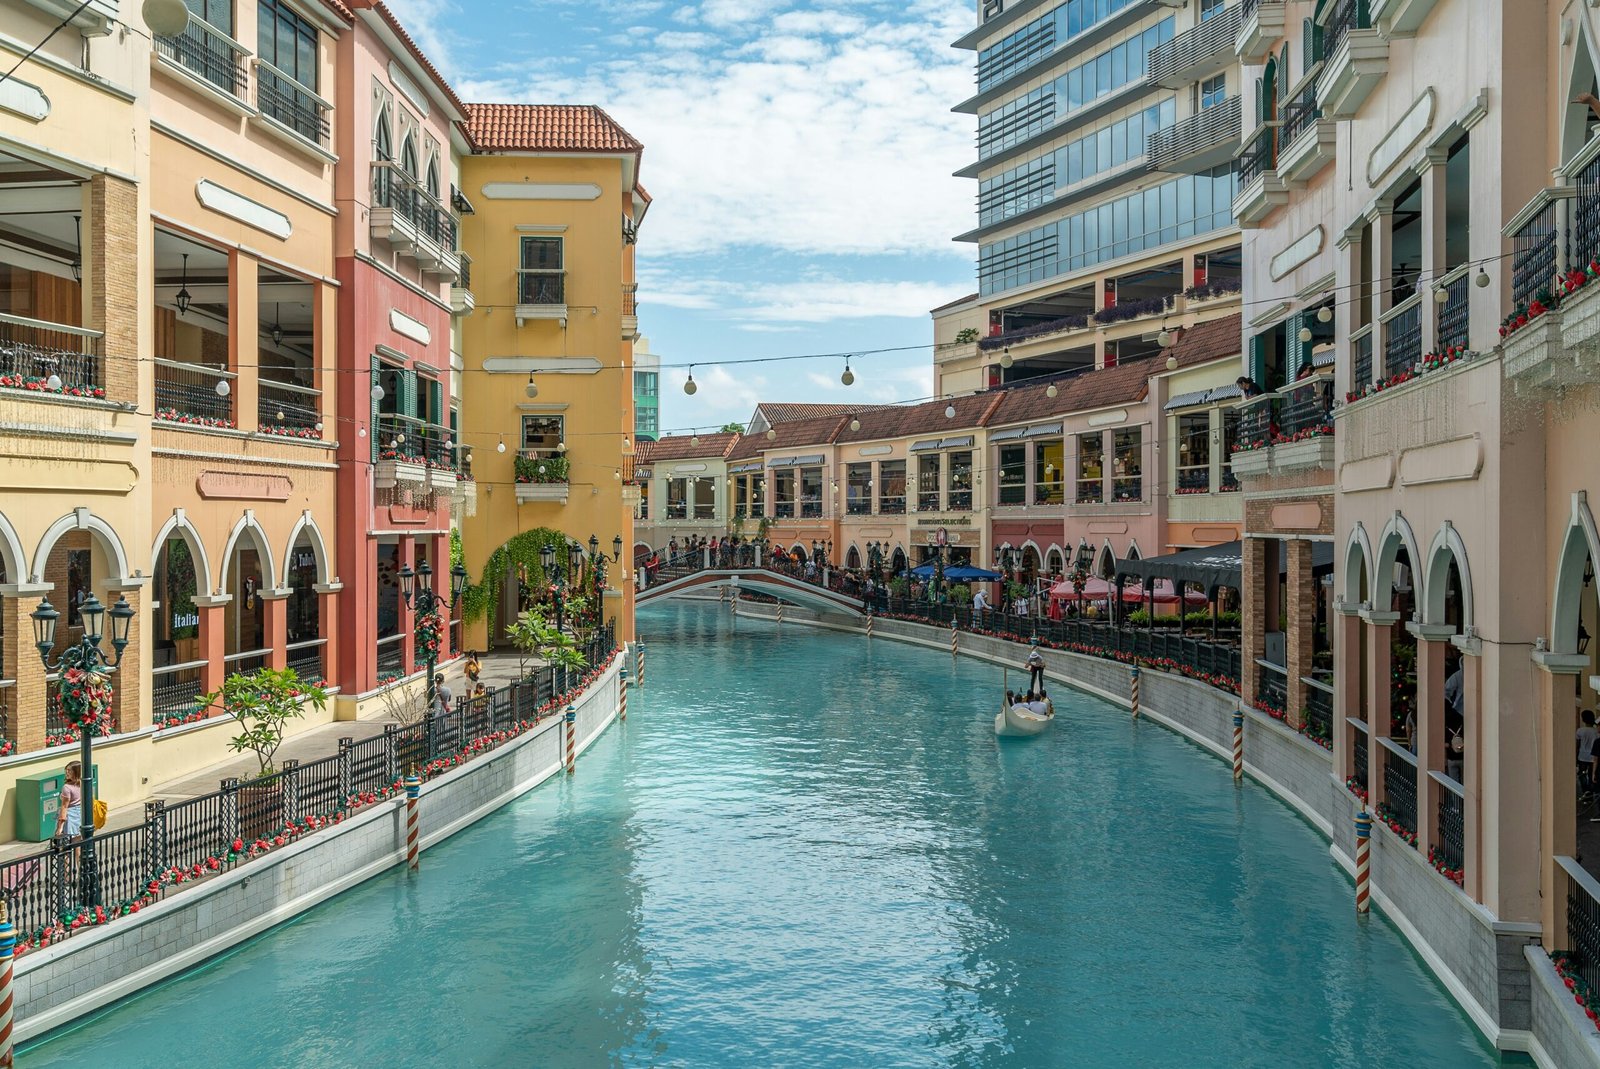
923, 447
739, 468
1203, 397
795, 462
1213, 566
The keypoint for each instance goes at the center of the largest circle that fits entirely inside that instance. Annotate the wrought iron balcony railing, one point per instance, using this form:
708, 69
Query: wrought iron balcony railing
286, 101
209, 54
1258, 155
45, 357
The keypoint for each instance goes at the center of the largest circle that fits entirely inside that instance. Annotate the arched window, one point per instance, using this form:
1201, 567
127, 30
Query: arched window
1311, 42
382, 139
408, 157
433, 178
1579, 120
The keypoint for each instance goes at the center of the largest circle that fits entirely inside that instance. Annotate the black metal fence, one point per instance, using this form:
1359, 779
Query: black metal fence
1450, 849
1583, 927
46, 890
1400, 790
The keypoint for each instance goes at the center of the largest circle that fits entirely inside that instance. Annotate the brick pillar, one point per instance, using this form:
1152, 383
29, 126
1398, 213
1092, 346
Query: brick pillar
275, 624
213, 644
26, 700
1432, 641
244, 344
1302, 613
1379, 636
111, 265
328, 629
407, 558
1253, 616
1348, 687
1558, 778
131, 685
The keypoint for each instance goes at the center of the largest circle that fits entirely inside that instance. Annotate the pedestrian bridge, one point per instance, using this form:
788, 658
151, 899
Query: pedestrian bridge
789, 588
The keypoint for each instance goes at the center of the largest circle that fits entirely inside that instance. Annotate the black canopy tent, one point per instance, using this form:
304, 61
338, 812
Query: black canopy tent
1210, 568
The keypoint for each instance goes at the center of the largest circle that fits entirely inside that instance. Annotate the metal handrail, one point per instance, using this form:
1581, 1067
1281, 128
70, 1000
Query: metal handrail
179, 365
1400, 751
45, 324
174, 669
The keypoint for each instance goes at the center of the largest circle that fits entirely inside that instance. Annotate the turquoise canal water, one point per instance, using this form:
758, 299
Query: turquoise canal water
802, 850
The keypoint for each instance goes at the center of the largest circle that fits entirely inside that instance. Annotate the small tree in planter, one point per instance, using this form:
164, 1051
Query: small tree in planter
264, 702
535, 636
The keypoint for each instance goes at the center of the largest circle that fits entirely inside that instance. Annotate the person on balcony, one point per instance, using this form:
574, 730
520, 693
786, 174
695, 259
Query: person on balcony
1248, 387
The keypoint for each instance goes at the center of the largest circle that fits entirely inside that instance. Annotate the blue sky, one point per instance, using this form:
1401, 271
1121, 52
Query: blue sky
799, 153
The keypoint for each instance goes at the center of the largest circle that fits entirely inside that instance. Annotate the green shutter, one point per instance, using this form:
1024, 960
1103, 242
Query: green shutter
1292, 348
1258, 359
372, 422
406, 404
435, 413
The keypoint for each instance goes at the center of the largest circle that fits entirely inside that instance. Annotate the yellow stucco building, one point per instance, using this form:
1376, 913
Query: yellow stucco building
548, 353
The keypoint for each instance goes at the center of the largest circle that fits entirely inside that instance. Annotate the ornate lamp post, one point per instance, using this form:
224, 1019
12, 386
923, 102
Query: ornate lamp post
86, 657
547, 560
424, 602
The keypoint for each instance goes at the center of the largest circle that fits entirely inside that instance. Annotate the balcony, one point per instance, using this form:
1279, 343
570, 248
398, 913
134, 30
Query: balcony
209, 58
1358, 59
399, 452
94, 18
542, 476
630, 312
194, 395
1261, 25
1261, 191
287, 108
50, 358
288, 410
1198, 53
1287, 431
1400, 18
1204, 140
541, 295
413, 221
1306, 139
1402, 337
462, 299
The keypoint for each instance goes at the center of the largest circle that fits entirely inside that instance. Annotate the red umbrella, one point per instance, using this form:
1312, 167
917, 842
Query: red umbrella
1162, 593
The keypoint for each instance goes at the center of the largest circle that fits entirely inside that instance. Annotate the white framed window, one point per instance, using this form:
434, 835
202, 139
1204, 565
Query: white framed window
540, 276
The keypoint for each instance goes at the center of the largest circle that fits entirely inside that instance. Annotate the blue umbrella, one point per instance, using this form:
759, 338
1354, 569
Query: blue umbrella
958, 573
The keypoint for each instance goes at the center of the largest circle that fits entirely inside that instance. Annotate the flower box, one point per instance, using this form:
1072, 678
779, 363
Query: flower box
389, 473
1526, 352
1251, 462
1580, 317
1307, 453
556, 492
442, 479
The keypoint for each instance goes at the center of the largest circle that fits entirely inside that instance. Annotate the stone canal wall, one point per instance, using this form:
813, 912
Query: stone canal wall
56, 984
1482, 961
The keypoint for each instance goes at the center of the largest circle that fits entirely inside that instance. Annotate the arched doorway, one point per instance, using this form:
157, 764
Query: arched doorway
304, 610
852, 557
897, 561
246, 576
175, 632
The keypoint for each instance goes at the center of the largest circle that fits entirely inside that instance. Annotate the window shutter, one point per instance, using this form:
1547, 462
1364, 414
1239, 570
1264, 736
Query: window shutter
407, 405
1258, 359
1294, 347
435, 401
372, 422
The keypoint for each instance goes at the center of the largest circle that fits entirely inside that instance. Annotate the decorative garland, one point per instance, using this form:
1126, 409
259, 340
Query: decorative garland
239, 850
172, 720
38, 385
1353, 785
430, 634
86, 700
281, 431
1456, 876
520, 551
1566, 963
1386, 815
172, 415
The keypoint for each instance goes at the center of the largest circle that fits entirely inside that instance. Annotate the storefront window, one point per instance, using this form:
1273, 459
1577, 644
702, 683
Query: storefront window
1194, 453
858, 489
961, 481
1013, 475
1048, 474
928, 471
811, 492
783, 493
892, 487
1129, 483
1091, 468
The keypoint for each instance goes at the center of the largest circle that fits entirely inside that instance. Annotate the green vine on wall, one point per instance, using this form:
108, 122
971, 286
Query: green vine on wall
520, 552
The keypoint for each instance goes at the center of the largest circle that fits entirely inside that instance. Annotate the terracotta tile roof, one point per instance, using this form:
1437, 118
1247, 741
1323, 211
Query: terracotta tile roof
784, 412
394, 24
339, 9
927, 418
1210, 340
952, 304
681, 447
820, 430
546, 128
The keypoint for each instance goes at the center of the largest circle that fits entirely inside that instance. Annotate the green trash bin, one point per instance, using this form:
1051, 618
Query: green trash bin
38, 802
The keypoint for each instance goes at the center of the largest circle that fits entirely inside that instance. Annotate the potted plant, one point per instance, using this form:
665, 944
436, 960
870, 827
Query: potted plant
535, 636
263, 703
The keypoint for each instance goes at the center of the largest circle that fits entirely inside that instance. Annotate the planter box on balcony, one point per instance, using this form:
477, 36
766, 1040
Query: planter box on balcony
1257, 200
1259, 31
1400, 18
466, 495
1308, 153
389, 473
1298, 456
442, 479
1352, 74
1526, 355
1580, 322
556, 492
1251, 462
462, 300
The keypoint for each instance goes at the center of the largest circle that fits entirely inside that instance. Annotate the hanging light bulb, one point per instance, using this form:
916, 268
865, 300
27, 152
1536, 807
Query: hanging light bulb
561, 447
362, 432
1164, 339
1006, 359
625, 445
1483, 278
1172, 363
500, 447
280, 415
53, 382
1441, 295
616, 474
377, 392
166, 18
1050, 390
949, 411
855, 424
223, 389
694, 441
400, 438
319, 426
688, 386
532, 389
1304, 335
1324, 314
849, 377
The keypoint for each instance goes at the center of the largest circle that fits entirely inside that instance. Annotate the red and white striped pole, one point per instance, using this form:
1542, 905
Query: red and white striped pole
1238, 745
622, 684
413, 792
1363, 861
869, 624
572, 740
1133, 691
8, 950
954, 648
640, 645
780, 614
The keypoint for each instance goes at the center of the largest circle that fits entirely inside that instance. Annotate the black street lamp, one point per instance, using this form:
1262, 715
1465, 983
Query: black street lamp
424, 600
86, 656
547, 560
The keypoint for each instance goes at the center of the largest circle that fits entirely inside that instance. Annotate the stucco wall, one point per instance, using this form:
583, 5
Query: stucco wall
59, 983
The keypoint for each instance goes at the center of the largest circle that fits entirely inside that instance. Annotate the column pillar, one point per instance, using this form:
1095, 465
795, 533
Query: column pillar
213, 644
1472, 766
111, 226
1432, 641
129, 690
1381, 219
1348, 315
1253, 616
406, 556
1434, 264
1347, 689
1558, 777
1379, 637
244, 347
25, 700
328, 631
275, 622
1302, 614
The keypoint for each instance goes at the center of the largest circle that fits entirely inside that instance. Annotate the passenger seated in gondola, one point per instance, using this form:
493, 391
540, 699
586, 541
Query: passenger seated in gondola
1043, 705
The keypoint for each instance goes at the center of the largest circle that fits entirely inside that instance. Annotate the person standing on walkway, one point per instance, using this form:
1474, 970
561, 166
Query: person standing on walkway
441, 696
1035, 665
69, 818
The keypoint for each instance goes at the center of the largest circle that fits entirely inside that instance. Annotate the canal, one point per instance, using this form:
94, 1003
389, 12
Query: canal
803, 849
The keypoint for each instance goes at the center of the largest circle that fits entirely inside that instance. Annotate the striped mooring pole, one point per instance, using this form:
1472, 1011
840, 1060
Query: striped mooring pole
8, 949
954, 649
622, 685
1133, 691
869, 623
780, 614
1363, 860
1238, 745
639, 645
572, 740
413, 792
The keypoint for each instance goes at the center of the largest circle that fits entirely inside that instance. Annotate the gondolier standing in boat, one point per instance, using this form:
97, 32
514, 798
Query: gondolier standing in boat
1035, 668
